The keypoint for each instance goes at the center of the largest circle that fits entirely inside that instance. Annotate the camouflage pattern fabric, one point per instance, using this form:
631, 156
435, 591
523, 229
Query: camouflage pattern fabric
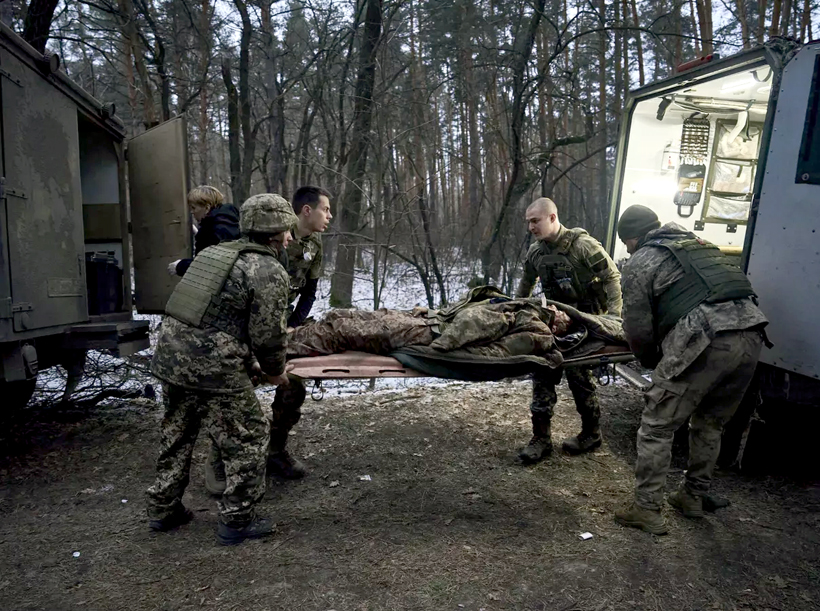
647, 274
709, 390
209, 359
379, 332
236, 425
304, 262
586, 253
581, 383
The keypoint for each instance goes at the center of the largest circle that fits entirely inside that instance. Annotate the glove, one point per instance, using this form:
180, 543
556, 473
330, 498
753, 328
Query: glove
172, 267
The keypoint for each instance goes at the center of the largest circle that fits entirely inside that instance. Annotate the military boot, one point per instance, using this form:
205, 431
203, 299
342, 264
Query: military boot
234, 535
636, 516
178, 517
587, 440
712, 503
688, 504
215, 479
284, 465
540, 446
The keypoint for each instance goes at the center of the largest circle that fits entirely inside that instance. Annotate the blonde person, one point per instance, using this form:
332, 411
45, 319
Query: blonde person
217, 222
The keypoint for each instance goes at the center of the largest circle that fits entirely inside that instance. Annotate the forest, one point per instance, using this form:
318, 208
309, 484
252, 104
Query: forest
433, 123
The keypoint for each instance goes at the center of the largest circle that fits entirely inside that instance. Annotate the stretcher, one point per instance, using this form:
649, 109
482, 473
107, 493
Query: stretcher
351, 365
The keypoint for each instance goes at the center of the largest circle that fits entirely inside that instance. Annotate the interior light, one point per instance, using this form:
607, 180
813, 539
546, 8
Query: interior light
738, 85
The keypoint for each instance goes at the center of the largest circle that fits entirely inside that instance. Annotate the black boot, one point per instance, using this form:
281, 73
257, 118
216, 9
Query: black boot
587, 440
286, 466
178, 517
234, 535
540, 446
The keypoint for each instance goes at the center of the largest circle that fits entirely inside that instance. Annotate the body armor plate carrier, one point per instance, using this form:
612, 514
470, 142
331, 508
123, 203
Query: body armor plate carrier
708, 277
198, 300
577, 286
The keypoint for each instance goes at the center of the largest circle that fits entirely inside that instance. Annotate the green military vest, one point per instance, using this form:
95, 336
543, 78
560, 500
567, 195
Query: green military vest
579, 285
198, 301
709, 278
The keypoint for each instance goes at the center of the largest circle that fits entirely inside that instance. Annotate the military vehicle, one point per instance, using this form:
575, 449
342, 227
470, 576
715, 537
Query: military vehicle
80, 207
730, 149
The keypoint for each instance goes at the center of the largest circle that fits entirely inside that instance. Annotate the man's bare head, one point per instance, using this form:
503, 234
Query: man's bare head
542, 219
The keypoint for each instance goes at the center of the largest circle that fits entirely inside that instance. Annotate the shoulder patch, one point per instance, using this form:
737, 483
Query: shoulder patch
598, 262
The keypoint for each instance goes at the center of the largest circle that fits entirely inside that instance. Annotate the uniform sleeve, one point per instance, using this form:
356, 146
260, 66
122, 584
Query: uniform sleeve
637, 279
307, 295
527, 280
602, 265
267, 326
315, 271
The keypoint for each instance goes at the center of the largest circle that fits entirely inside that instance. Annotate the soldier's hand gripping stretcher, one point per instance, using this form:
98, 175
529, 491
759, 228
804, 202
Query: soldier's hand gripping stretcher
260, 377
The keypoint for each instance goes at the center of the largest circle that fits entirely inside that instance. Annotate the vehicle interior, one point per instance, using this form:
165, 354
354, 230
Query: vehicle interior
692, 155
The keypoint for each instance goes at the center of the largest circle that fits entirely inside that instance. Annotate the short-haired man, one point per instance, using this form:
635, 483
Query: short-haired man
225, 321
312, 208
576, 270
311, 205
688, 313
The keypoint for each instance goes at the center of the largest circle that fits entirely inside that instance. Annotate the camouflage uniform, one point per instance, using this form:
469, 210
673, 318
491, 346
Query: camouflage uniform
591, 285
703, 366
304, 262
205, 371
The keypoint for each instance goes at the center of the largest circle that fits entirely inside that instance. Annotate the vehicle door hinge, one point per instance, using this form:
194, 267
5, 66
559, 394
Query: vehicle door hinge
6, 191
11, 77
9, 309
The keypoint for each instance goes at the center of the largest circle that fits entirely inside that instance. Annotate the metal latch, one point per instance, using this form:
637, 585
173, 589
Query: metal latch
11, 77
6, 191
9, 309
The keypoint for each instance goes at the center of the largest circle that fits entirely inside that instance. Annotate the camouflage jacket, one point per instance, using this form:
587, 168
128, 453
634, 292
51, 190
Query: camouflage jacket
209, 359
584, 252
304, 262
647, 274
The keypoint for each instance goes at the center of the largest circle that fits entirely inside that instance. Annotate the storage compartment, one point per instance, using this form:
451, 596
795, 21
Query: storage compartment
103, 275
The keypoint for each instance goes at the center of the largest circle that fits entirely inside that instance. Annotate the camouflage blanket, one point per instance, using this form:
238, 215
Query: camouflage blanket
485, 327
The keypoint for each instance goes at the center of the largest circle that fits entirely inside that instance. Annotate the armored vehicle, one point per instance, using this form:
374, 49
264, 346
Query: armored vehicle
730, 149
80, 208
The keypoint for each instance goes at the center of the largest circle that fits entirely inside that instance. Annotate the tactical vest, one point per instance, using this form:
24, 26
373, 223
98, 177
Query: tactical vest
578, 286
708, 278
198, 300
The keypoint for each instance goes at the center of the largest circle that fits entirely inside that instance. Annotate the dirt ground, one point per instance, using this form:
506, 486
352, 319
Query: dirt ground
448, 520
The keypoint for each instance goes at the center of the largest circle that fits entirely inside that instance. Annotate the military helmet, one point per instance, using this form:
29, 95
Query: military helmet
266, 213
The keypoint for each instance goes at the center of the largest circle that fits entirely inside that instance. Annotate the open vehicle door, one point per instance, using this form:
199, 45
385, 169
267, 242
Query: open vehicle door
160, 219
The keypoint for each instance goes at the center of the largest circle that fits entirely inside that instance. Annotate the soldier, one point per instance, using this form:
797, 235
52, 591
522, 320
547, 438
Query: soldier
688, 313
304, 263
576, 270
225, 320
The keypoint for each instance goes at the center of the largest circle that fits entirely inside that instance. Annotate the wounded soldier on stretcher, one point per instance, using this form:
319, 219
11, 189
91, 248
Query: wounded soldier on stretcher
484, 332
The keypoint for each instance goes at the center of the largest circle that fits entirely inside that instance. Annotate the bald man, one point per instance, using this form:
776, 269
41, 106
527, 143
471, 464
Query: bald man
574, 269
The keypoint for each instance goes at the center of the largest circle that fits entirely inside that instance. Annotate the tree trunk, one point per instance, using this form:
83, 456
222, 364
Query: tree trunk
705, 22
341, 287
204, 119
244, 100
773, 28
128, 27
805, 20
785, 17
638, 43
234, 150
519, 107
742, 17
761, 20
37, 24
692, 17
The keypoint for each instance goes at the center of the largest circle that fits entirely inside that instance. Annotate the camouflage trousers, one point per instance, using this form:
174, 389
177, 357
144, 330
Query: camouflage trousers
709, 391
582, 385
283, 414
236, 425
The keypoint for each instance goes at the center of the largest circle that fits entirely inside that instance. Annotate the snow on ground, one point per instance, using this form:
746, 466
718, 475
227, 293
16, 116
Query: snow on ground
402, 290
